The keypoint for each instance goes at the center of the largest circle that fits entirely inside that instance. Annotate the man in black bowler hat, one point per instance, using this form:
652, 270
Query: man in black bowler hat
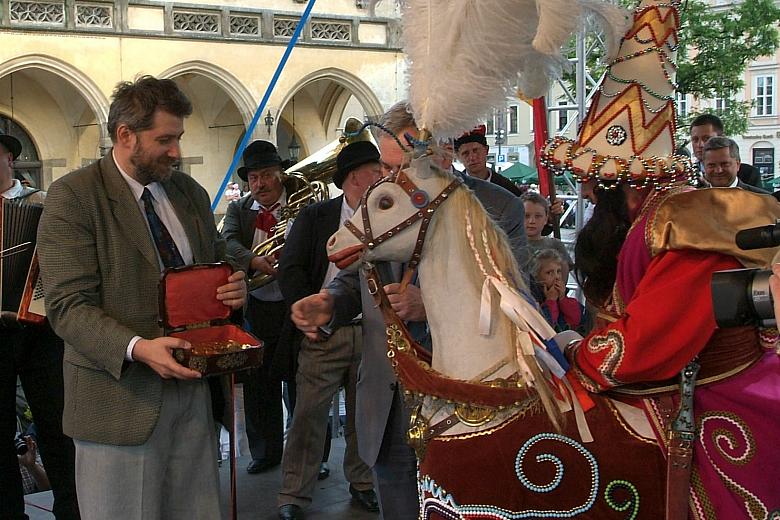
249, 221
333, 360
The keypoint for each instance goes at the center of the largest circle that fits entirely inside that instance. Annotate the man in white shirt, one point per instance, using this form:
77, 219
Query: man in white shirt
721, 165
142, 424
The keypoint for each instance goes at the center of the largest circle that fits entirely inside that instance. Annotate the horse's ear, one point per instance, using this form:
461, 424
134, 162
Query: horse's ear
429, 166
424, 167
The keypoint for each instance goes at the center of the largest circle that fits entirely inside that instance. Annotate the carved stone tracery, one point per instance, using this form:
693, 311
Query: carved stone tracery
37, 12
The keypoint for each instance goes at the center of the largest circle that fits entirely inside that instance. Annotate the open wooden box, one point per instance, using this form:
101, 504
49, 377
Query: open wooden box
189, 309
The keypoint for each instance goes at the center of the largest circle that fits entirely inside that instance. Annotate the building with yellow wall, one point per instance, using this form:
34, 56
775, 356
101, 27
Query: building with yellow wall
60, 60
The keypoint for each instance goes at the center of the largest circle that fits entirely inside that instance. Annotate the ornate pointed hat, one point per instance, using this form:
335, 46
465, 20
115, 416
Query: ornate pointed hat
628, 134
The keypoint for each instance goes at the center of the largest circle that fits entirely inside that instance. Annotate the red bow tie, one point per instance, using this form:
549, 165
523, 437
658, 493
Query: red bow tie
266, 219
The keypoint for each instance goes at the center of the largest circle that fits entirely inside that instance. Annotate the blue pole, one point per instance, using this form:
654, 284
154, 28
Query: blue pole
251, 128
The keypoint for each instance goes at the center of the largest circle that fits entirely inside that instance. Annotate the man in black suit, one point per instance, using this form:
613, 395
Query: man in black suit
721, 164
703, 128
331, 361
472, 150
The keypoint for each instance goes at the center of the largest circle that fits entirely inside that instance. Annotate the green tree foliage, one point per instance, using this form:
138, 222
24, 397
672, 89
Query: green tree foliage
717, 45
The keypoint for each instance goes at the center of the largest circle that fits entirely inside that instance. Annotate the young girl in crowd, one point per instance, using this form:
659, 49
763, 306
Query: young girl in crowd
561, 311
537, 211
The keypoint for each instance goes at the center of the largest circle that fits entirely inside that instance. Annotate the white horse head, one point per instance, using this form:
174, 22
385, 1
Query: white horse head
460, 249
388, 205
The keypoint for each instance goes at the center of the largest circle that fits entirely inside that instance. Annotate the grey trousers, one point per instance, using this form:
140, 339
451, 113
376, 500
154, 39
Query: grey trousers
322, 369
395, 470
170, 477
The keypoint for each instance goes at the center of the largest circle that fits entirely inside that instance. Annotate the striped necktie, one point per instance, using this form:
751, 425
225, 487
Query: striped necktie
169, 253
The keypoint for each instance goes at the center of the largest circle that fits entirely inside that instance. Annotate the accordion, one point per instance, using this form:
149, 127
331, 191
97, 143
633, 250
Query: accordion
21, 291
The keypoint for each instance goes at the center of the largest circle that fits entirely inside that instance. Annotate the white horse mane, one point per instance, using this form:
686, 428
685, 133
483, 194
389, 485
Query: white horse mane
464, 230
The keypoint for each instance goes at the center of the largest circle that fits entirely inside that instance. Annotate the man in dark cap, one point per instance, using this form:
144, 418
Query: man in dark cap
472, 150
249, 221
33, 353
331, 361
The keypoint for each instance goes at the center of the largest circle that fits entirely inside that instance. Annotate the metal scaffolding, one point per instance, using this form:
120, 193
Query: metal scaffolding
577, 89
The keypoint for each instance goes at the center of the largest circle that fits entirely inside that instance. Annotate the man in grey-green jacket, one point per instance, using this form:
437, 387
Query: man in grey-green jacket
141, 423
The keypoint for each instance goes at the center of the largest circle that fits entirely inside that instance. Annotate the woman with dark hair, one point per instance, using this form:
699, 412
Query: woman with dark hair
598, 244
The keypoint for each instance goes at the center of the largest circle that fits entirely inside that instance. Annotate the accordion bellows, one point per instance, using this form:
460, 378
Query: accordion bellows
20, 291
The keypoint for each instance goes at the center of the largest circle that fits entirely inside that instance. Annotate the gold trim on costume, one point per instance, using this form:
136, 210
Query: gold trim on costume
707, 220
674, 386
531, 405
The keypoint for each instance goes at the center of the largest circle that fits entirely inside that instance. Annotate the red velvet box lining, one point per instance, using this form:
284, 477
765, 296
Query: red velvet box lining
190, 295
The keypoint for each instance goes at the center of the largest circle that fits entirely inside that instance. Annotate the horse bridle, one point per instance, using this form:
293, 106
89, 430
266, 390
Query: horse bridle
425, 210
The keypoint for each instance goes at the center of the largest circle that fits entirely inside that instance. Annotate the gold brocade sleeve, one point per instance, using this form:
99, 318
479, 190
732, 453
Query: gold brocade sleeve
708, 220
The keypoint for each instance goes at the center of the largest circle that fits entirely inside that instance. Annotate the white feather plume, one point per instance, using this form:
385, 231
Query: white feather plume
466, 56
613, 20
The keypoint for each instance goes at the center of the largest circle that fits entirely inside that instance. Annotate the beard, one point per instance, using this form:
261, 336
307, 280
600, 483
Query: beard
150, 169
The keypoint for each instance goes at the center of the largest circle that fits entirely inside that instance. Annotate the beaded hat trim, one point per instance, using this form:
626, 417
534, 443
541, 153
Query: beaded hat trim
628, 135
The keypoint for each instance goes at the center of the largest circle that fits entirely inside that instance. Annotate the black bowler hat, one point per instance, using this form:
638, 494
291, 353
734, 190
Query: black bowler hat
259, 154
352, 156
11, 143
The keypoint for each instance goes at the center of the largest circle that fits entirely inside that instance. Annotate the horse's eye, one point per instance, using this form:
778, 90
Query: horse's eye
385, 202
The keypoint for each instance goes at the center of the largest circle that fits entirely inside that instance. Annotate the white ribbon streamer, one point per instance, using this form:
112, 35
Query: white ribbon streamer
515, 307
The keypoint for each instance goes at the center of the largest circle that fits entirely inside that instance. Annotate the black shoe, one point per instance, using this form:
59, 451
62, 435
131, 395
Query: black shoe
366, 499
261, 465
290, 512
324, 471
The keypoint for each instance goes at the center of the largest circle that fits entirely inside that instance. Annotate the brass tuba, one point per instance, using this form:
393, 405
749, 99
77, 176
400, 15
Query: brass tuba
306, 182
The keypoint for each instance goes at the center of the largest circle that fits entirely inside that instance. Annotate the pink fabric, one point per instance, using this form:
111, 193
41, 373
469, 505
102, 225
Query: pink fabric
737, 453
552, 306
570, 309
633, 260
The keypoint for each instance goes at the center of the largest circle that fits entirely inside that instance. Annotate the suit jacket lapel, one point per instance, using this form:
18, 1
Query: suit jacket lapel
184, 211
248, 217
329, 224
332, 222
125, 208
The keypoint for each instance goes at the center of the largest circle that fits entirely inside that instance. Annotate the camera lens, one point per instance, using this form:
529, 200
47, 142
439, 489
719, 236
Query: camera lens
21, 445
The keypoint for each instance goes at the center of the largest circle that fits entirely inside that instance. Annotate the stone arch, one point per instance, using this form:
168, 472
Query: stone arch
228, 82
324, 95
91, 93
351, 83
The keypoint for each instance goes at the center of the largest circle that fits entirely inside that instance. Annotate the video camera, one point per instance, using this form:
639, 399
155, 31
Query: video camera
742, 296
20, 444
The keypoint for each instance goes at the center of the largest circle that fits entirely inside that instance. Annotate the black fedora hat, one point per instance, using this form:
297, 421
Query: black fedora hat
11, 143
353, 156
259, 154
